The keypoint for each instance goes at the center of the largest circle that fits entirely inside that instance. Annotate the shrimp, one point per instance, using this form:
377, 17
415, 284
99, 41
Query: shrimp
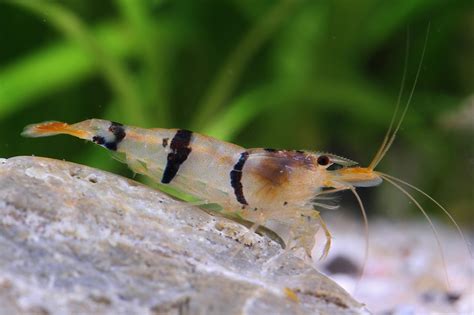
271, 188
277, 189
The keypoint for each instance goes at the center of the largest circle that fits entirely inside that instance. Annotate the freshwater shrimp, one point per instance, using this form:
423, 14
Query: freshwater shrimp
273, 188
276, 189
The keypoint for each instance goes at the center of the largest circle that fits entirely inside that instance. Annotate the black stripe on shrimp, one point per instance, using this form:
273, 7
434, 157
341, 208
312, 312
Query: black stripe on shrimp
118, 132
180, 151
236, 177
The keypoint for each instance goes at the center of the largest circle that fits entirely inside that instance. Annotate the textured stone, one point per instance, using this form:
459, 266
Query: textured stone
76, 240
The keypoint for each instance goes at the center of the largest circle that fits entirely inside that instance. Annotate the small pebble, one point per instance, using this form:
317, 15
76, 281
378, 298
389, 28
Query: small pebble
342, 264
452, 297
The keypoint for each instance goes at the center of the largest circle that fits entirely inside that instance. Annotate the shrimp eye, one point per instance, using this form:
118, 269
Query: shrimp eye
323, 160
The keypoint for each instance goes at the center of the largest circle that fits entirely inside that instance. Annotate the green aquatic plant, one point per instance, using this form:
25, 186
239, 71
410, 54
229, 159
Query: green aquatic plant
320, 75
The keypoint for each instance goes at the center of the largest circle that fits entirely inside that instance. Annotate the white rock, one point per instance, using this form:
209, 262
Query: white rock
75, 240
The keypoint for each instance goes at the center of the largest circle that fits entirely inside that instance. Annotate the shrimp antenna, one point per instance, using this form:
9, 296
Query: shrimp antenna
433, 228
377, 156
446, 212
366, 235
389, 142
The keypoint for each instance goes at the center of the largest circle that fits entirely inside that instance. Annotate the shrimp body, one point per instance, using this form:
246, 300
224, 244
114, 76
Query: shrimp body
275, 188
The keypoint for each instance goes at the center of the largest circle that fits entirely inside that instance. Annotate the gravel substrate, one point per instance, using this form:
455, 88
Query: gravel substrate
404, 273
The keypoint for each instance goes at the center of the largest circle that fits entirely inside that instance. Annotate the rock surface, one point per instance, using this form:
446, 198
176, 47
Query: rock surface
76, 240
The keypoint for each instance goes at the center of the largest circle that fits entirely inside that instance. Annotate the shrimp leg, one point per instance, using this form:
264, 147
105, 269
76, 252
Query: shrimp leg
251, 231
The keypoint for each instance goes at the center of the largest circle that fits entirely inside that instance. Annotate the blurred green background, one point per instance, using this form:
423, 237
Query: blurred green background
295, 74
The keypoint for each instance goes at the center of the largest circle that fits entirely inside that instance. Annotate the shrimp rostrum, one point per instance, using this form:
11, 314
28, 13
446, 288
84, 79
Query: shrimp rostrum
277, 189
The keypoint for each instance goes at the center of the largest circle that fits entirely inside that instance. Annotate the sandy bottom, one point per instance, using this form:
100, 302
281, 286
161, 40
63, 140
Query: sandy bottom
404, 273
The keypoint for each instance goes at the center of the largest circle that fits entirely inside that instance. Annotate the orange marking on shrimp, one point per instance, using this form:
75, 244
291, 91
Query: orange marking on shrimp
357, 174
53, 128
225, 159
146, 139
